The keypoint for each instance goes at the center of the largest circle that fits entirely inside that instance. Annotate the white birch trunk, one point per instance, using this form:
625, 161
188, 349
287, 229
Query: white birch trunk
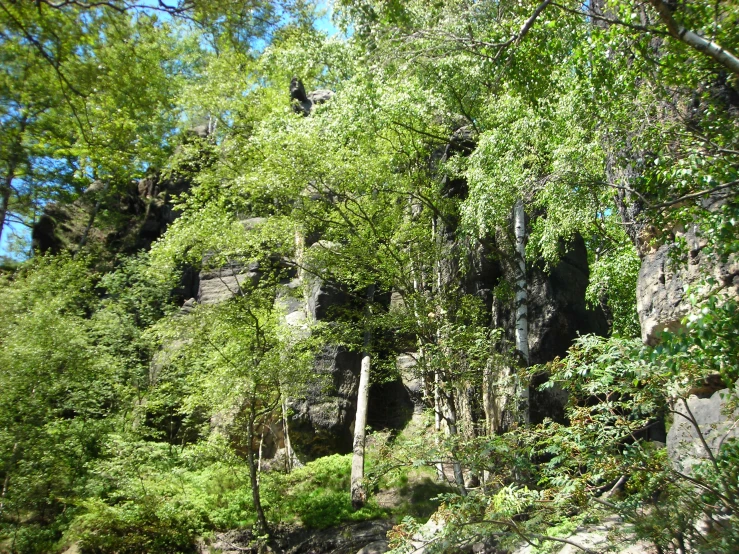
451, 420
522, 317
694, 40
358, 492
437, 422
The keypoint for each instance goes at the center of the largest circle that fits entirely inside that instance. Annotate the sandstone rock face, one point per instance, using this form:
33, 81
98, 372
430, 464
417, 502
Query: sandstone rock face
557, 308
292, 305
376, 547
343, 539
303, 102
557, 314
225, 283
413, 383
322, 421
145, 207
660, 293
389, 406
684, 445
323, 300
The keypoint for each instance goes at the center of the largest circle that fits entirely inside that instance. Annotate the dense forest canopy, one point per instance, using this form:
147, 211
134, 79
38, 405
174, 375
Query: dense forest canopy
229, 235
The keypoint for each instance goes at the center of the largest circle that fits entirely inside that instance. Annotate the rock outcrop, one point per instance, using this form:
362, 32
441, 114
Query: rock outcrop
303, 102
368, 537
218, 285
142, 212
322, 421
557, 314
700, 425
660, 295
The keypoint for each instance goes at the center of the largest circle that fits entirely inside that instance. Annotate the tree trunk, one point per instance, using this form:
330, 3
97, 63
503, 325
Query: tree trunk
488, 399
694, 40
262, 527
359, 494
437, 422
4, 208
451, 421
522, 318
6, 481
14, 160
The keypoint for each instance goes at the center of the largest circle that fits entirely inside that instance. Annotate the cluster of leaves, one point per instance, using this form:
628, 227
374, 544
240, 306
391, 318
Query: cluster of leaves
71, 364
558, 477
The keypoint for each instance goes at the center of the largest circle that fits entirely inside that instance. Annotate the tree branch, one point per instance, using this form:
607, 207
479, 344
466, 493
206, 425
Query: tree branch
695, 41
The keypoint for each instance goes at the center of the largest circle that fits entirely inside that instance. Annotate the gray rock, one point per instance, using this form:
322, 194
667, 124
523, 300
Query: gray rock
188, 306
660, 291
684, 445
558, 313
320, 96
303, 103
292, 304
251, 222
322, 421
413, 383
376, 547
323, 299
95, 186
223, 284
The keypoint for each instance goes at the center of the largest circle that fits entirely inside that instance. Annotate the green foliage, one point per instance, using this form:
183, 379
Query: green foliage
317, 494
128, 427
133, 528
71, 366
613, 277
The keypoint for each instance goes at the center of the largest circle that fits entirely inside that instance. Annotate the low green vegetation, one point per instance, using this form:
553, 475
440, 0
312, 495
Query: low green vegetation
317, 495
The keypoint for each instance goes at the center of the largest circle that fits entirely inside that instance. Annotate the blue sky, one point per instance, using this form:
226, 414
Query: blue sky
323, 24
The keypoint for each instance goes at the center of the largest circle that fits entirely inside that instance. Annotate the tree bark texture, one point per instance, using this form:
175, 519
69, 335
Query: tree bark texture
4, 203
522, 317
694, 40
262, 526
358, 492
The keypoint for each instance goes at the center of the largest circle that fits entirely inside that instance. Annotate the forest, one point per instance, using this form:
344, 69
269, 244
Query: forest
366, 276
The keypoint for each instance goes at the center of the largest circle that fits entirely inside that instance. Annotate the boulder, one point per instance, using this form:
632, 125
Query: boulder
303, 103
413, 383
684, 445
376, 547
323, 299
292, 305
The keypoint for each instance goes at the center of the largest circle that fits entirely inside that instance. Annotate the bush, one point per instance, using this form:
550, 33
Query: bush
316, 495
130, 528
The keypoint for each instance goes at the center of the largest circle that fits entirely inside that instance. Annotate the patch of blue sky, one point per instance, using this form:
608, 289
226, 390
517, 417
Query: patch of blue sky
14, 233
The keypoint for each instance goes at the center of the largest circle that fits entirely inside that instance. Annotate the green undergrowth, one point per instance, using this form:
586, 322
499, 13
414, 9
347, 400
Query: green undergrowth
316, 495
177, 497
406, 489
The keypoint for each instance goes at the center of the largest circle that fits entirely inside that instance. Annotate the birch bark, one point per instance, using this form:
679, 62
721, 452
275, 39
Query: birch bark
358, 492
